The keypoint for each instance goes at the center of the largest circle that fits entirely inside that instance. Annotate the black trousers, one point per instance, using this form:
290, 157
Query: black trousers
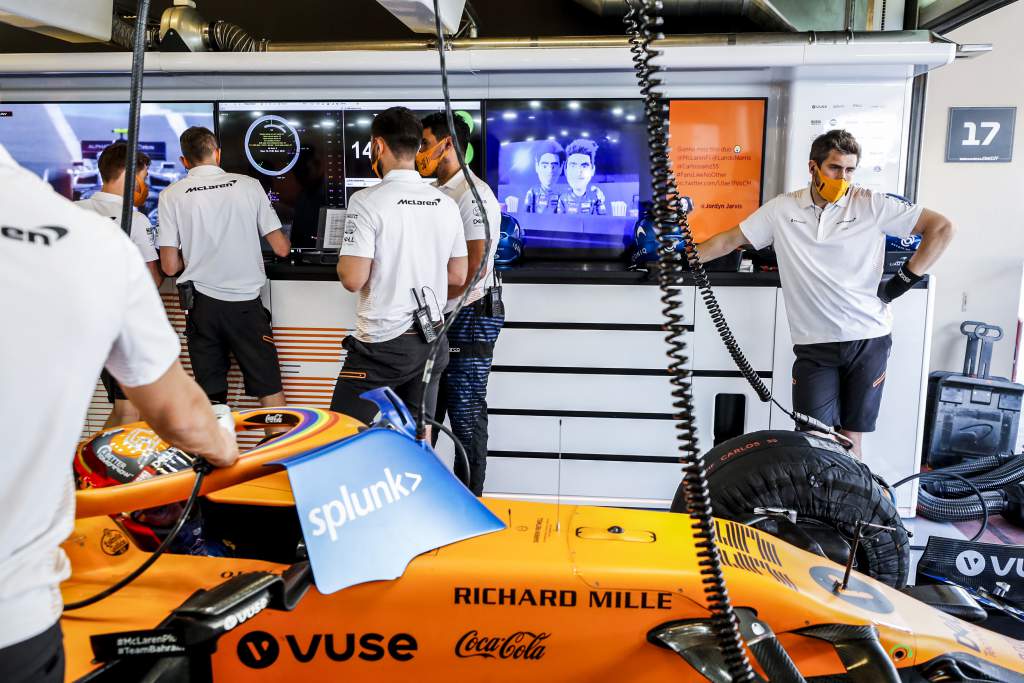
39, 659
214, 329
397, 363
463, 391
840, 383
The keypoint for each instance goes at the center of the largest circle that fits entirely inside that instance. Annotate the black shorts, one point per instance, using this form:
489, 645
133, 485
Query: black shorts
397, 363
840, 383
214, 329
39, 659
114, 391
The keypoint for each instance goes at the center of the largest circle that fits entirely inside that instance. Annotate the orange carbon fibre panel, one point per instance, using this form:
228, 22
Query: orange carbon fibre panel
272, 490
316, 428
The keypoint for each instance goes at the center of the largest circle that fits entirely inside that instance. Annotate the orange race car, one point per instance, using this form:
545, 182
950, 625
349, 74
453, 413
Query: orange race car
556, 593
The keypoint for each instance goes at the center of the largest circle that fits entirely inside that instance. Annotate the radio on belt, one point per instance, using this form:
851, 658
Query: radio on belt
495, 306
422, 318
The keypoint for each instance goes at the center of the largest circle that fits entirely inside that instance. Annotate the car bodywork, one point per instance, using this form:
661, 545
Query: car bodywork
563, 593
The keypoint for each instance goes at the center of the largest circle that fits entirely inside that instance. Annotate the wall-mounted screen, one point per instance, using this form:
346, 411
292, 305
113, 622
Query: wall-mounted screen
572, 172
61, 141
311, 156
717, 153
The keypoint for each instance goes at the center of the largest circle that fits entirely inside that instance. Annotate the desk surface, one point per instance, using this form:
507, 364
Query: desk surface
560, 272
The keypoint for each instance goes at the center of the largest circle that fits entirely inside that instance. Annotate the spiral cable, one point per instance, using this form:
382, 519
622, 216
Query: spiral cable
669, 220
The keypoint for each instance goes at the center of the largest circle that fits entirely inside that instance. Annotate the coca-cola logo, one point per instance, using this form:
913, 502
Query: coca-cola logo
519, 645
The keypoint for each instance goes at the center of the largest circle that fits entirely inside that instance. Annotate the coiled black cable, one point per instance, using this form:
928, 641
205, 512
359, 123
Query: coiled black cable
668, 219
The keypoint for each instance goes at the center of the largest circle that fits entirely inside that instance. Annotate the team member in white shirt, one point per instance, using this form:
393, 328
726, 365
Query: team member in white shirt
403, 248
213, 220
471, 337
108, 202
75, 297
830, 242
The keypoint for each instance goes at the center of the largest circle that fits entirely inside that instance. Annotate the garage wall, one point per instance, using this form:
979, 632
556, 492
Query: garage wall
985, 201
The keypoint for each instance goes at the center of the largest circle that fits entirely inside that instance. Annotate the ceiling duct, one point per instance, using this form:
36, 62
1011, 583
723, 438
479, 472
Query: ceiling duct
761, 12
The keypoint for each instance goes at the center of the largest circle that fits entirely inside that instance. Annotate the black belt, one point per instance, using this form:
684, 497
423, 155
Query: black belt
413, 330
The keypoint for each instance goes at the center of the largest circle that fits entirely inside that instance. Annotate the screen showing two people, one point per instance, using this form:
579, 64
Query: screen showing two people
573, 173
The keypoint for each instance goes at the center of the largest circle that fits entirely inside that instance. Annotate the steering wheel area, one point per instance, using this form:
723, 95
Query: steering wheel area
136, 443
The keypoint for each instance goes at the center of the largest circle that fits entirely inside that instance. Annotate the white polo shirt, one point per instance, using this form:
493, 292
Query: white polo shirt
74, 296
410, 230
473, 224
830, 260
143, 232
217, 219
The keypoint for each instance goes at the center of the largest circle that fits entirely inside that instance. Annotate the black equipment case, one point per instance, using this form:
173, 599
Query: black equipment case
971, 414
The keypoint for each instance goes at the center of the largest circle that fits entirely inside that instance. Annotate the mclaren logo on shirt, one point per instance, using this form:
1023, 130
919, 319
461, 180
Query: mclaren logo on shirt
419, 202
211, 187
44, 234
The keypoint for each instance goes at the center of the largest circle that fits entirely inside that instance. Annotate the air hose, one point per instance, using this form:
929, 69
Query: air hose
987, 480
971, 490
228, 37
642, 15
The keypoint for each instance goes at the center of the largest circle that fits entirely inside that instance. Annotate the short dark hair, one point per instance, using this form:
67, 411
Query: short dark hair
114, 159
548, 147
198, 144
438, 125
582, 146
401, 130
839, 140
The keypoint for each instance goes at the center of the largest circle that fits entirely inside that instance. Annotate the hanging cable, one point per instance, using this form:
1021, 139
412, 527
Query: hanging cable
966, 482
668, 218
202, 468
428, 370
134, 107
460, 450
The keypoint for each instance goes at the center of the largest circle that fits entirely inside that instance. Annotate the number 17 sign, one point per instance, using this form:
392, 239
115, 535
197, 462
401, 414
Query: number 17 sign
980, 134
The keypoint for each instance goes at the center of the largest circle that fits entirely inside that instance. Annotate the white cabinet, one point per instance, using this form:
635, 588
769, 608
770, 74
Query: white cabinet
580, 399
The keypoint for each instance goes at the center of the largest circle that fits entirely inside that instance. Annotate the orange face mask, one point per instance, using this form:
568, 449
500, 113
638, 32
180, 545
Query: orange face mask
141, 193
830, 189
426, 162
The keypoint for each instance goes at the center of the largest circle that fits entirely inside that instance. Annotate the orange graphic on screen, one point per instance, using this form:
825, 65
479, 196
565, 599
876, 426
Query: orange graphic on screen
717, 150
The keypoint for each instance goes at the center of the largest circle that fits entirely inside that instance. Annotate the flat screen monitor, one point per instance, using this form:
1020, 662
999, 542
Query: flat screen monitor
717, 151
61, 141
311, 156
574, 173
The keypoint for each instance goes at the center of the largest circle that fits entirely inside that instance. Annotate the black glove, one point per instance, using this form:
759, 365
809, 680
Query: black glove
899, 285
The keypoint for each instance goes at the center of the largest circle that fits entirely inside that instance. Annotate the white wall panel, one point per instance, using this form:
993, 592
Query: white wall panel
556, 391
617, 304
582, 348
750, 312
612, 436
705, 389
